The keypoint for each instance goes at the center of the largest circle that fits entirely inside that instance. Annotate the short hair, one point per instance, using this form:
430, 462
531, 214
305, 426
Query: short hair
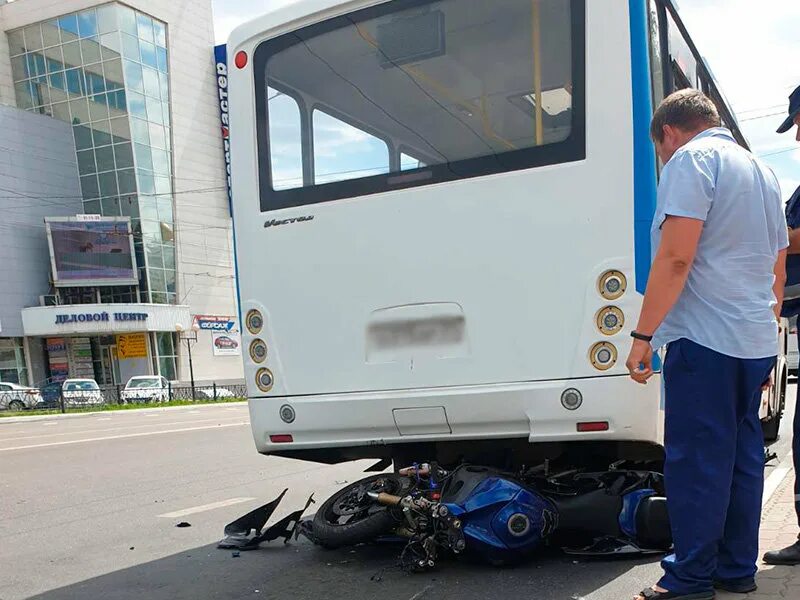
688, 110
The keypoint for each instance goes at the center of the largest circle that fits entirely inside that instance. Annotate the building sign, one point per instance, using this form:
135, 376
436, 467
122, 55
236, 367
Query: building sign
211, 323
80, 358
132, 345
99, 317
221, 59
91, 253
228, 343
57, 359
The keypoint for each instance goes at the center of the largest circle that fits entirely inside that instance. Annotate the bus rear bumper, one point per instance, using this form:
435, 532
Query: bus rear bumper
503, 411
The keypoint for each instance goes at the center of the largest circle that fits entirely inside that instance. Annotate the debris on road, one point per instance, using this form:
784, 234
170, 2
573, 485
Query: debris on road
183, 524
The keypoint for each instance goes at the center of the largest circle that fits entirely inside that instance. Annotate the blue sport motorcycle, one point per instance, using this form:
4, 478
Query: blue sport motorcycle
498, 517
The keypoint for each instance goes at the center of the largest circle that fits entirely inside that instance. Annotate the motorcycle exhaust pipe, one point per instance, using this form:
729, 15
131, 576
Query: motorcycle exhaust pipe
384, 498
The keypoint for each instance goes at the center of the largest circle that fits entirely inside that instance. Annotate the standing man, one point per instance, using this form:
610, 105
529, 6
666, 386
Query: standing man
791, 555
713, 297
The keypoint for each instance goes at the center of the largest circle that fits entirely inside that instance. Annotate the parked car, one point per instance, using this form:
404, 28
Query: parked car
18, 397
209, 394
146, 388
51, 394
223, 342
81, 392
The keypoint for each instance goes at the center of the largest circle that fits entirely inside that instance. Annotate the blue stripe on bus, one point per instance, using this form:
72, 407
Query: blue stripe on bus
644, 156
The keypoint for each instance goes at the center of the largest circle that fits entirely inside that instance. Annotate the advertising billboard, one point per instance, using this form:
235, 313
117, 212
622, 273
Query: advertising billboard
221, 60
91, 252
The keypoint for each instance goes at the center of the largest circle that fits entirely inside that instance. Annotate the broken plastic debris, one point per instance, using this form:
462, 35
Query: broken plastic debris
183, 524
342, 482
131, 548
235, 554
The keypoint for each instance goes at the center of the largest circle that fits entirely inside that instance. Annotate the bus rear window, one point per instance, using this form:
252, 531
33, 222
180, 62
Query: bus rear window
448, 88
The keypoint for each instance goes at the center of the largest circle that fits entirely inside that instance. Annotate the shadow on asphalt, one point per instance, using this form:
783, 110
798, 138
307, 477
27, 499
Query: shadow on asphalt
303, 571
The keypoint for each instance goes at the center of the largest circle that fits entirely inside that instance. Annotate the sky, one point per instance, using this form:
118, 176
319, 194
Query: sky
753, 48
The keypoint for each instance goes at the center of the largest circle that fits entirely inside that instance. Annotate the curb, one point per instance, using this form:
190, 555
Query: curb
111, 413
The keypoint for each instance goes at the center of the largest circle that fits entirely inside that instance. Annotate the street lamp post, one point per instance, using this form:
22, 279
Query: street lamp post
190, 338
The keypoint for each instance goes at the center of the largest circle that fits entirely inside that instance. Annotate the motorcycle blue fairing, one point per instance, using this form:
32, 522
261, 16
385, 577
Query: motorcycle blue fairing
502, 519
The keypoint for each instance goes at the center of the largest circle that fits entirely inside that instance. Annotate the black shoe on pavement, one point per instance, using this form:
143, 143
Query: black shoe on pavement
742, 586
788, 556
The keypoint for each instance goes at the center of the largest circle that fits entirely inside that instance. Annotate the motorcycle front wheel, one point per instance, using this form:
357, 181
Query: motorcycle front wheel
350, 517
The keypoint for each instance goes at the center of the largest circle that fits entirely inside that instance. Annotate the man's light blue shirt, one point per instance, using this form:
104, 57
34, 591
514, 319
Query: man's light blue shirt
728, 303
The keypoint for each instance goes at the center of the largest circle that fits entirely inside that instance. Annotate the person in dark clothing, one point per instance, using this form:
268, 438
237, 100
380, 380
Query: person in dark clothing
791, 555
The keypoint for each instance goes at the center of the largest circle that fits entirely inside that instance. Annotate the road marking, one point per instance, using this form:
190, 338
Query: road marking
104, 419
204, 508
119, 427
776, 478
119, 437
50, 423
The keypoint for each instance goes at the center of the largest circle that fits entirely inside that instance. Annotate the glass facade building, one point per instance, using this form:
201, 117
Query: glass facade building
105, 70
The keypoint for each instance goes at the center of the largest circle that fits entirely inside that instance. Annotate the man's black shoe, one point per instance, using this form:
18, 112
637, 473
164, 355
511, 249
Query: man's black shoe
788, 556
742, 586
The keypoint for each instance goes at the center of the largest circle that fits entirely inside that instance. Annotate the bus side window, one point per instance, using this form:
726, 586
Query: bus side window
285, 135
343, 151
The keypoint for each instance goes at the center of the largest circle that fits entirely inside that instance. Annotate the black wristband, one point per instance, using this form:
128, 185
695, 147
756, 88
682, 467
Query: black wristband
642, 337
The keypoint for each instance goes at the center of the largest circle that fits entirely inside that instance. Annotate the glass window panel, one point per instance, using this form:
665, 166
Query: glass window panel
86, 164
51, 36
58, 82
33, 37
87, 23
61, 111
147, 185
83, 137
90, 50
141, 131
80, 110
30, 68
168, 250
110, 46
170, 277
154, 110
111, 207
16, 42
127, 20
105, 162
69, 27
55, 59
167, 139
164, 80
164, 208
148, 211
285, 131
157, 138
118, 101
158, 282
130, 47
112, 71
72, 54
128, 204
40, 63
107, 18
164, 343
19, 67
151, 83
98, 107
92, 207
90, 187
160, 31
136, 105
124, 156
75, 83
145, 26
165, 112
120, 129
101, 132
160, 161
166, 366
161, 59
148, 51
133, 76
41, 93
126, 179
108, 184
163, 186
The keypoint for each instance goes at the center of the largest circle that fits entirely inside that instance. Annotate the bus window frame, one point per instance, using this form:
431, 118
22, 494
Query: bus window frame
571, 150
667, 9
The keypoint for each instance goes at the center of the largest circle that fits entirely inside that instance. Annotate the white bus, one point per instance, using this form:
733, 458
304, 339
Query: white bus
442, 214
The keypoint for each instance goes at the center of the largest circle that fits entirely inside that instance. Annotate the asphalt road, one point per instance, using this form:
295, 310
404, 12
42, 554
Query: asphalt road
89, 507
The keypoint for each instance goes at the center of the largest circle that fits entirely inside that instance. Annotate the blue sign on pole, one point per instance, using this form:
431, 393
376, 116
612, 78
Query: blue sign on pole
221, 60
